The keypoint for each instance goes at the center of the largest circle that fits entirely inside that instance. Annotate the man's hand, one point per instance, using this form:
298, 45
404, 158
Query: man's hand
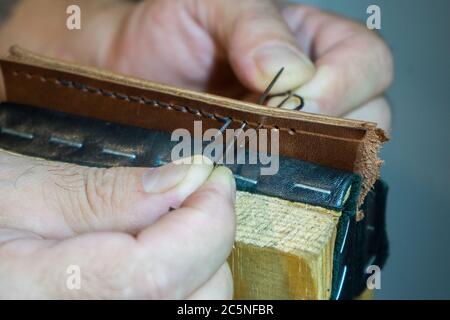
115, 225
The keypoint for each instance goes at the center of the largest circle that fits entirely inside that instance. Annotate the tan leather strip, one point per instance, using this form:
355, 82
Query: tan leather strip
39, 81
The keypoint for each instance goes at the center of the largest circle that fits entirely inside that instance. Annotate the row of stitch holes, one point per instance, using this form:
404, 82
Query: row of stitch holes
120, 96
290, 131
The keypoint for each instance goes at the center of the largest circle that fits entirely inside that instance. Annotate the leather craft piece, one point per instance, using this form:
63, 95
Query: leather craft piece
34, 80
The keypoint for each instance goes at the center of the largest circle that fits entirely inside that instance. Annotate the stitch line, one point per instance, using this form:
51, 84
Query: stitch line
12, 132
143, 100
70, 143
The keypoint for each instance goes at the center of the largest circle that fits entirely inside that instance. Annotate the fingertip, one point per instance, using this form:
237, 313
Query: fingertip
216, 198
169, 186
199, 171
322, 92
269, 59
223, 178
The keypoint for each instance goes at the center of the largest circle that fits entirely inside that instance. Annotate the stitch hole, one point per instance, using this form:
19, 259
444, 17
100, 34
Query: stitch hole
153, 103
79, 86
206, 114
209, 115
92, 90
195, 112
122, 96
135, 99
179, 108
107, 93
65, 83
274, 128
143, 100
166, 106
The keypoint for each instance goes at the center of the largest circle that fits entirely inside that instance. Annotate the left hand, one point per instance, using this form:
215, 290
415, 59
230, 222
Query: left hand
231, 47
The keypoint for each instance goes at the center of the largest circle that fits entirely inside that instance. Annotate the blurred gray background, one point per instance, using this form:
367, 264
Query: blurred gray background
417, 165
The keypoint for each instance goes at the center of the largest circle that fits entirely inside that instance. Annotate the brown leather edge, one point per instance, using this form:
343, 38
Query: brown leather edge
43, 82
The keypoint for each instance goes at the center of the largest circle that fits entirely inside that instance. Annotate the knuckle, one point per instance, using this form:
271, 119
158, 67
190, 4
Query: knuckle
86, 195
107, 189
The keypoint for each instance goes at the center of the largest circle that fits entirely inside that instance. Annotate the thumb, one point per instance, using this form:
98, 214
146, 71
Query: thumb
64, 200
258, 43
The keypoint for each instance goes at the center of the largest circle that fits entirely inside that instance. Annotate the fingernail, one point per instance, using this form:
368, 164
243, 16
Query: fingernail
161, 179
179, 173
224, 177
297, 67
